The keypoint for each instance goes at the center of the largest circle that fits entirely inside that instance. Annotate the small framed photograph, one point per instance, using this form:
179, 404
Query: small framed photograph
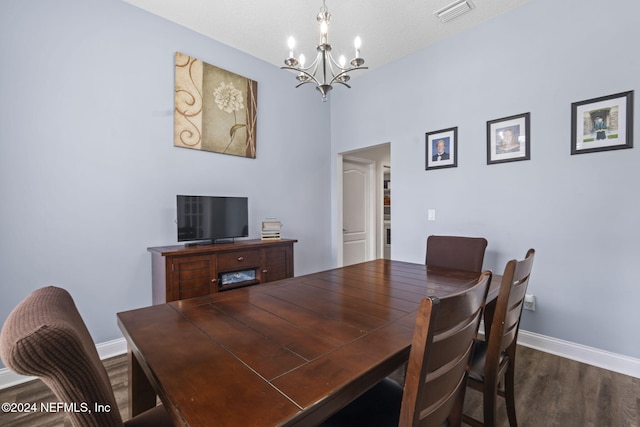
442, 149
508, 139
602, 124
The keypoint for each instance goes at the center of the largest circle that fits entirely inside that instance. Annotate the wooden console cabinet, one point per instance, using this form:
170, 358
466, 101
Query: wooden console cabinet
180, 272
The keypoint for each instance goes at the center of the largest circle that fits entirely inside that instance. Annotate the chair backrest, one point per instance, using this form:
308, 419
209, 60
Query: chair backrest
44, 336
456, 252
441, 352
503, 334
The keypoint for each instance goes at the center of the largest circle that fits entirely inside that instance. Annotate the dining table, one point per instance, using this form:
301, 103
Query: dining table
285, 353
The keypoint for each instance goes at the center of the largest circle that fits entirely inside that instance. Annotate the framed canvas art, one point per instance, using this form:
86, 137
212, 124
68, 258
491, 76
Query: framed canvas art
215, 109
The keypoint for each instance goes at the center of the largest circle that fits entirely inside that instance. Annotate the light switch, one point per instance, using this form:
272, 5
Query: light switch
432, 214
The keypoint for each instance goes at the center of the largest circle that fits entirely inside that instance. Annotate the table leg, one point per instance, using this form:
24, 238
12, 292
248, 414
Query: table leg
142, 396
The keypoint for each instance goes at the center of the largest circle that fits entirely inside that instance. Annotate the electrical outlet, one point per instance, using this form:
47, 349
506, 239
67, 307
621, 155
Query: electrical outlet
530, 302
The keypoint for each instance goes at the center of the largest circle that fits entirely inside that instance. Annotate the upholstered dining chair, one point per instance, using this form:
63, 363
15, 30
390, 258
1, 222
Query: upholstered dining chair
435, 383
456, 252
45, 336
493, 366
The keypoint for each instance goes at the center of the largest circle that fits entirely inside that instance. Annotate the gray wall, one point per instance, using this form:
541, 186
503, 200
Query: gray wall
579, 212
88, 170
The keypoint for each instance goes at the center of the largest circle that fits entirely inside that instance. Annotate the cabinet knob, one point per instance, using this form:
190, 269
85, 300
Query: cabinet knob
240, 258
265, 271
214, 280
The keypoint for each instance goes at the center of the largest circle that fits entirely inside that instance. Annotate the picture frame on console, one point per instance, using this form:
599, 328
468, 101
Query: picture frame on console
602, 124
508, 139
441, 149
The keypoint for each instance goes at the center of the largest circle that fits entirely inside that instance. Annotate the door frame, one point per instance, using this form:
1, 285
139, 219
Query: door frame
371, 184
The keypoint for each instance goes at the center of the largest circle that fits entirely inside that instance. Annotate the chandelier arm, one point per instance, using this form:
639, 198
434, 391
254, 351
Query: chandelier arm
345, 69
338, 66
342, 83
342, 69
305, 82
336, 78
312, 65
303, 71
309, 71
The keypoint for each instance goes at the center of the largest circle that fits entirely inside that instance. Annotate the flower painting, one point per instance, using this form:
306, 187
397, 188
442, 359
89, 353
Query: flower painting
215, 110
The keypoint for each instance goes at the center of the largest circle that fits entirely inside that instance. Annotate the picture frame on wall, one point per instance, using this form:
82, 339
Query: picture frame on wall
215, 109
602, 124
508, 139
441, 149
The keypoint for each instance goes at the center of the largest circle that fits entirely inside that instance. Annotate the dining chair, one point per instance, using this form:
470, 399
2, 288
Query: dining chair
45, 336
456, 252
452, 252
435, 384
493, 366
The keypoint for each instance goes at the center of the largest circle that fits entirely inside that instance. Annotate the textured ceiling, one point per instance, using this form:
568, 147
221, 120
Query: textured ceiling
389, 29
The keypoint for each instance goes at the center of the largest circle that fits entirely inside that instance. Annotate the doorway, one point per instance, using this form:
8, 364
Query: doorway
365, 204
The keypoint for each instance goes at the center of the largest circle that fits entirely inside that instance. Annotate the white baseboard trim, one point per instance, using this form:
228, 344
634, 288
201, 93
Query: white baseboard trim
106, 350
592, 356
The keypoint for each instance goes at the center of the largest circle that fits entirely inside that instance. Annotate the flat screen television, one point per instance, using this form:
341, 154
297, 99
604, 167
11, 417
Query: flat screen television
208, 219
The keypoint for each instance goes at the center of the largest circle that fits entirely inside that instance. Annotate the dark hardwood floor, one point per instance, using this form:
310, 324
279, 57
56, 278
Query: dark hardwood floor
552, 391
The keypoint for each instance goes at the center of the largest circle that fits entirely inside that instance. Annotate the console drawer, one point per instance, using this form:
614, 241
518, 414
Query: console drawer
238, 260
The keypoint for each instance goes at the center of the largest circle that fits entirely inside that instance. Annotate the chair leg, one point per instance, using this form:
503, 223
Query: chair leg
455, 418
510, 394
490, 395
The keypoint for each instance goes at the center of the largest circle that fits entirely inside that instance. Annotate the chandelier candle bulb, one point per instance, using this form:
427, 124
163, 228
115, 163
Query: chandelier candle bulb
292, 44
324, 29
357, 43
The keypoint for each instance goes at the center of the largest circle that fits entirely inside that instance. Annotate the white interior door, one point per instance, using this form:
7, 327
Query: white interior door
357, 210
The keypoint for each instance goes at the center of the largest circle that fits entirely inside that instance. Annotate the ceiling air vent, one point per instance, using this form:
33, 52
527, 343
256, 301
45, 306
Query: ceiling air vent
454, 10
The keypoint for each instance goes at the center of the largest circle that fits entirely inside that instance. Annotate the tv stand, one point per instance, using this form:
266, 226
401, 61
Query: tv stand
180, 272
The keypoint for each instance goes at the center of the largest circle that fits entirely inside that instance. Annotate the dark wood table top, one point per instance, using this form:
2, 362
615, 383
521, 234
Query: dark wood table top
284, 353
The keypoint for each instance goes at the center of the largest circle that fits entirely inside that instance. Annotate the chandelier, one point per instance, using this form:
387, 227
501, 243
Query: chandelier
324, 71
